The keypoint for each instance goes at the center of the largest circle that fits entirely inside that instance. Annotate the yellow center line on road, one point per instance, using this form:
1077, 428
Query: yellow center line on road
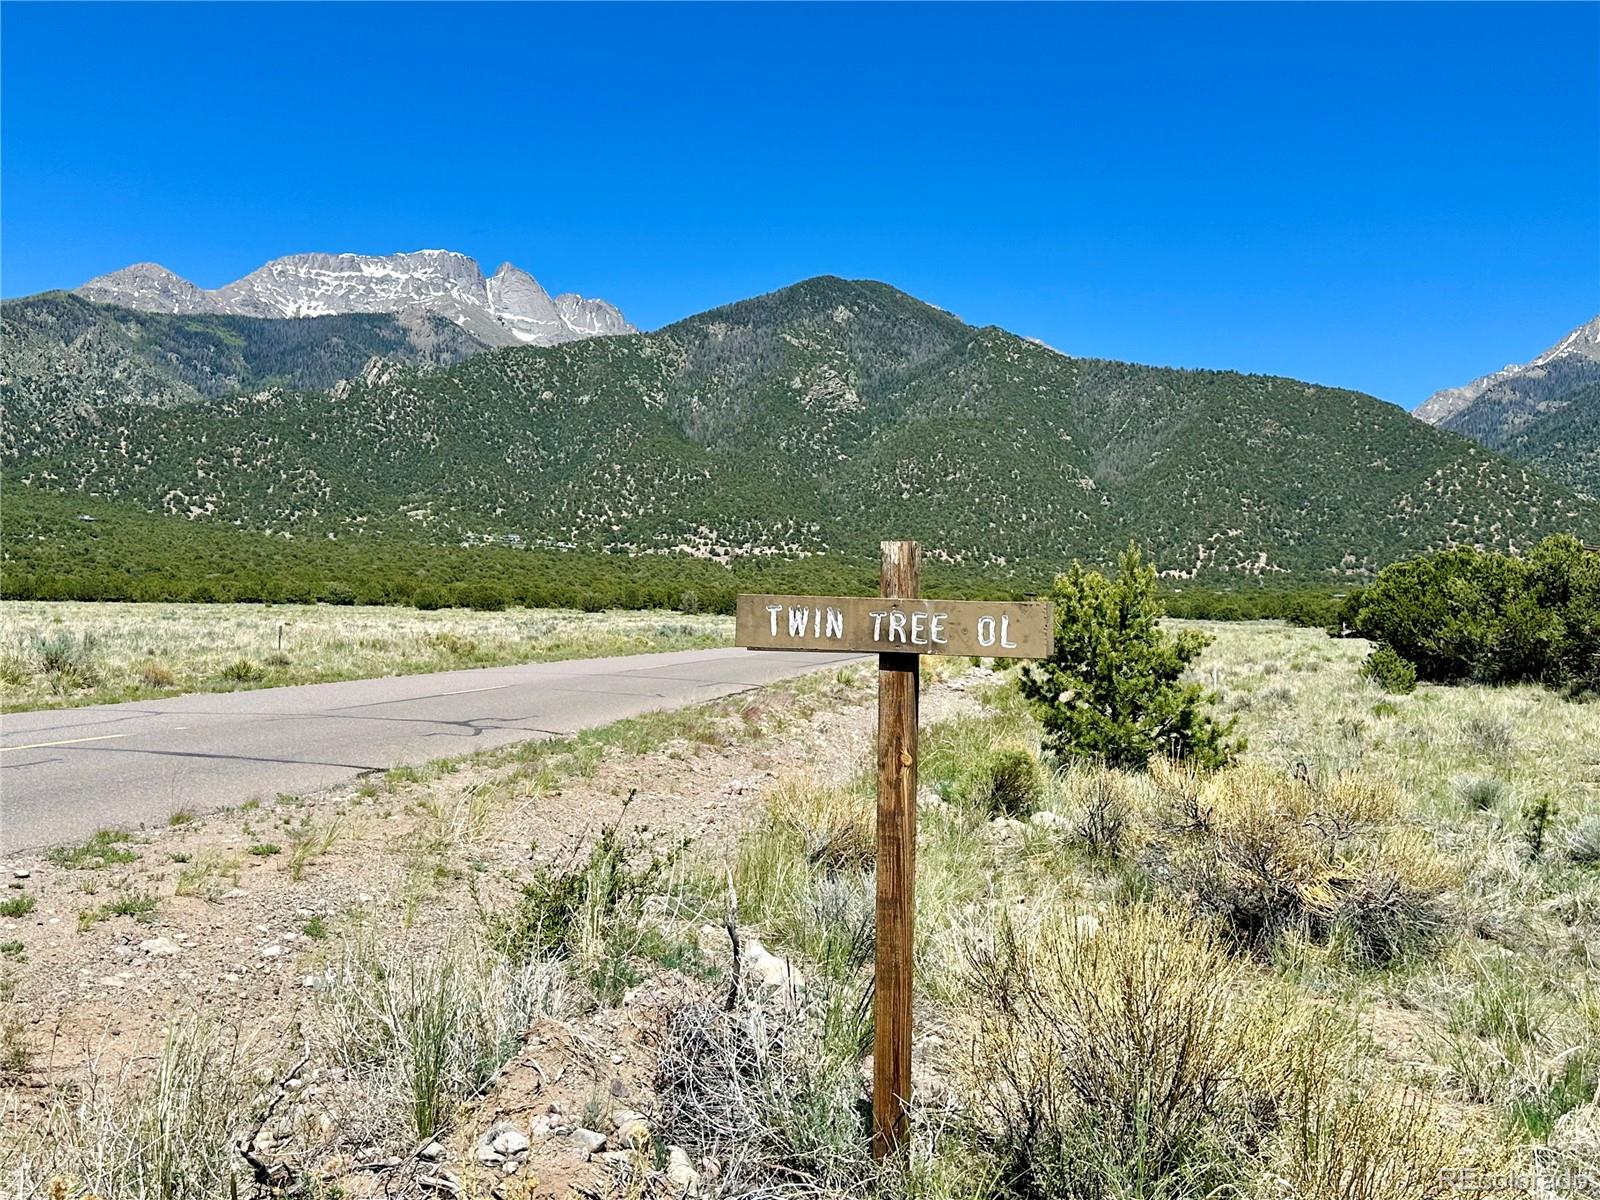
104, 737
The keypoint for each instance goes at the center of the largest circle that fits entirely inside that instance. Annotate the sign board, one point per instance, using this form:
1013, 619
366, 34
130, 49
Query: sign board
990, 629
898, 626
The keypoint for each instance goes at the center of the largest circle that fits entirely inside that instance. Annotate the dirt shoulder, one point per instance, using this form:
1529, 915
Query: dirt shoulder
239, 918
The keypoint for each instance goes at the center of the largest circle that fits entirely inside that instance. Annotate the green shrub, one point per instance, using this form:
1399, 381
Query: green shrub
1389, 671
589, 912
242, 671
1113, 690
429, 598
68, 663
1537, 814
103, 849
1010, 783
17, 906
1465, 614
482, 597
338, 593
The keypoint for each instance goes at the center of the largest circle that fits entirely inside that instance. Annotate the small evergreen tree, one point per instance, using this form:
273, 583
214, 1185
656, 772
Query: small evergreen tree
1113, 689
1390, 671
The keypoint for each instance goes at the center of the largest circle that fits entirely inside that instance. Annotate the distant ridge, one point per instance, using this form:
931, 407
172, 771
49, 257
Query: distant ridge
507, 308
1545, 412
814, 420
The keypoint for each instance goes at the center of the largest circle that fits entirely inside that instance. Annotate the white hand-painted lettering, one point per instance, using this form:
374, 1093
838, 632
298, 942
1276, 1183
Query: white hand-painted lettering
1005, 634
936, 629
897, 626
797, 621
772, 611
919, 629
835, 623
877, 625
985, 631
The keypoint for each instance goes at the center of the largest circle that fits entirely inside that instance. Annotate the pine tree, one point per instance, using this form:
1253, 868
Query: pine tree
1113, 690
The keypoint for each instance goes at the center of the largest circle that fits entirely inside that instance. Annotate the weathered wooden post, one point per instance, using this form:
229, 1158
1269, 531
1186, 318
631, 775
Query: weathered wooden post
899, 627
899, 679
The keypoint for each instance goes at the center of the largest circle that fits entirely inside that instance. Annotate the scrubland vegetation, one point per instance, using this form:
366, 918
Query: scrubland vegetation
56, 654
49, 551
1489, 618
1347, 949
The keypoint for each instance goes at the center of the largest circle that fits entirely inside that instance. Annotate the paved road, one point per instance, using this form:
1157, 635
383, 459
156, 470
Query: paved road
66, 773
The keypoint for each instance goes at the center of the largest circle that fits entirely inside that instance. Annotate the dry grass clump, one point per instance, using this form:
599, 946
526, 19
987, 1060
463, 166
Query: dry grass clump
1373, 1143
1524, 1038
774, 1095
1105, 1063
1143, 1060
1479, 793
1106, 815
161, 1134
835, 823
1274, 857
424, 1029
1581, 843
804, 874
154, 674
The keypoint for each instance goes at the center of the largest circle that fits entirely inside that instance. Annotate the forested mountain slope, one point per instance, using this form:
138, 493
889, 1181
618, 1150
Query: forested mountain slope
818, 419
62, 358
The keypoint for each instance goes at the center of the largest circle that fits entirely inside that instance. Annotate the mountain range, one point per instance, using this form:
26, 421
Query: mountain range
505, 309
1545, 412
816, 419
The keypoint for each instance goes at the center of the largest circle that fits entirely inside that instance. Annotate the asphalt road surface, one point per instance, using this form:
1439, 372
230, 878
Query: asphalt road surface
66, 773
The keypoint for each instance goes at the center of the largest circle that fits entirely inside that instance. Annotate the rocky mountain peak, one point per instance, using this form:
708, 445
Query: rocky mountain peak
1574, 355
1582, 342
519, 303
510, 308
166, 292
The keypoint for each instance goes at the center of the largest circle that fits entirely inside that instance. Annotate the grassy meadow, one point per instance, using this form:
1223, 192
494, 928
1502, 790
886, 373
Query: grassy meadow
1362, 963
57, 654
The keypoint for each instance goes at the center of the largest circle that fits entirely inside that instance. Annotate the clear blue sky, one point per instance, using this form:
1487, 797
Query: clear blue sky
1392, 197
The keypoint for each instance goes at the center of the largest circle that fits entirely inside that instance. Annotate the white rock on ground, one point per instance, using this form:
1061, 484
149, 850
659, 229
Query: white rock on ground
509, 1142
632, 1129
592, 1141
767, 968
681, 1173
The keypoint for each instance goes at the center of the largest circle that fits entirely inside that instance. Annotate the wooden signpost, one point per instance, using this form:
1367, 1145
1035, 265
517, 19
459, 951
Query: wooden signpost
899, 627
